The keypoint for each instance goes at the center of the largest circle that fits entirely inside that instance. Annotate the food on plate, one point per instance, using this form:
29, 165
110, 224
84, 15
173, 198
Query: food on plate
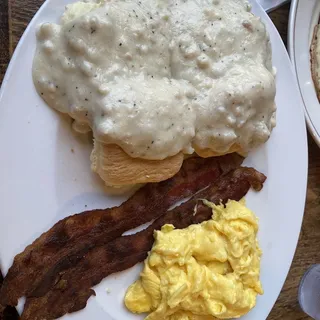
173, 92
69, 239
208, 269
315, 59
117, 168
159, 80
69, 290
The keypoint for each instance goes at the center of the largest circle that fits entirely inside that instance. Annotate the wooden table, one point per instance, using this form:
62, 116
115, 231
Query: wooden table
15, 15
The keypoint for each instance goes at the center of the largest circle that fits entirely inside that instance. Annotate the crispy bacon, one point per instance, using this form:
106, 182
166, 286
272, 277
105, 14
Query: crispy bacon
72, 288
71, 238
7, 313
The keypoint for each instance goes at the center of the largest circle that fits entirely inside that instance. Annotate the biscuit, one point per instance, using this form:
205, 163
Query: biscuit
118, 169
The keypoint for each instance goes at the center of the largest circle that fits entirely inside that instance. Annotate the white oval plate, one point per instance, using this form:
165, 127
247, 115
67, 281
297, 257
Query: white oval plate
304, 15
42, 180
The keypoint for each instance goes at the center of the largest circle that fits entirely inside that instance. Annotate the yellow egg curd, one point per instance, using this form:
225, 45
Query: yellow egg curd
206, 271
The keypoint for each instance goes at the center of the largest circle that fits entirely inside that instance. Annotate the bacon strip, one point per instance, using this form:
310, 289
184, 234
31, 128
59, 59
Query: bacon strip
71, 238
8, 313
72, 288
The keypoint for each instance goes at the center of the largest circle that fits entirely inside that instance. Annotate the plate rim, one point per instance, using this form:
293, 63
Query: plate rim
17, 49
291, 45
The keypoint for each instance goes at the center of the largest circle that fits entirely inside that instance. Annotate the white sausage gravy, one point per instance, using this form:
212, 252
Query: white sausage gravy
157, 77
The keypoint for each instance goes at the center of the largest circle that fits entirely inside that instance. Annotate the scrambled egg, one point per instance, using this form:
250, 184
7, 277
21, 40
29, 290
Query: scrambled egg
206, 271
